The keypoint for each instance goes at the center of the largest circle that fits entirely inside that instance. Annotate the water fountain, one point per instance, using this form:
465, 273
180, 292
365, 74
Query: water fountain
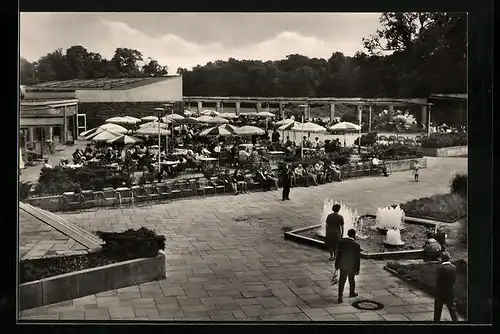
393, 238
390, 218
351, 218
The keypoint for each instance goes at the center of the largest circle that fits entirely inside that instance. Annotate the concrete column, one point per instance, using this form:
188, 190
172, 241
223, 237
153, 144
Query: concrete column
429, 121
259, 106
332, 111
282, 110
370, 120
391, 112
200, 106
423, 113
64, 134
31, 136
217, 106
238, 107
50, 134
308, 111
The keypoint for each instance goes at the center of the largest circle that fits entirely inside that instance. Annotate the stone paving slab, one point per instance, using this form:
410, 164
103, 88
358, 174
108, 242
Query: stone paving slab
219, 268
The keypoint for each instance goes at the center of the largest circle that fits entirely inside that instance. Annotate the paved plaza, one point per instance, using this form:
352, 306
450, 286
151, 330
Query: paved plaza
227, 258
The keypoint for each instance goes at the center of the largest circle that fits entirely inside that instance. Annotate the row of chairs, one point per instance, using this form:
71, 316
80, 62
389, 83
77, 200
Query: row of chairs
146, 194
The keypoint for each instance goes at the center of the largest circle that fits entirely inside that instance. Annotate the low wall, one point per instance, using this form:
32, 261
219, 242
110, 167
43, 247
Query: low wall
407, 164
90, 281
454, 151
55, 203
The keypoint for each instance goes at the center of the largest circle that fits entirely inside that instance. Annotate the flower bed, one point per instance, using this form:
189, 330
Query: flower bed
55, 181
118, 247
440, 140
395, 152
424, 276
442, 207
413, 235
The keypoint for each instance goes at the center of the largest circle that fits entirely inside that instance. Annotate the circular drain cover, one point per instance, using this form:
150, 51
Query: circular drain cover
370, 305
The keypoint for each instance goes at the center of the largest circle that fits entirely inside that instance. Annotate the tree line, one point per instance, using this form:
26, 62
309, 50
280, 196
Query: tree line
412, 55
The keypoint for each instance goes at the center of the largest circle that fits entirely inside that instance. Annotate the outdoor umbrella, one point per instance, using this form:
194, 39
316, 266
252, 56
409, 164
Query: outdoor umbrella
212, 120
120, 120
124, 140
228, 115
132, 119
230, 128
150, 118
345, 127
105, 136
173, 117
265, 114
302, 127
188, 113
153, 125
105, 127
284, 121
209, 113
151, 131
250, 130
215, 131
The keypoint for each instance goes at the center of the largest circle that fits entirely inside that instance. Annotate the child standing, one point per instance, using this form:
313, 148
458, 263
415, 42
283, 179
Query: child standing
416, 168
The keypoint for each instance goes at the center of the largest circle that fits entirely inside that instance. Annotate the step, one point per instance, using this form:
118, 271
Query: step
79, 235
69, 225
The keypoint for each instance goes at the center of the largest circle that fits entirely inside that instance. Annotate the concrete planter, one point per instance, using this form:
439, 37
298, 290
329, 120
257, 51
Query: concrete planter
454, 151
90, 281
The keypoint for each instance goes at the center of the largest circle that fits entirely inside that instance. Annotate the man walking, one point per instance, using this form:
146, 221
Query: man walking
348, 262
287, 182
445, 285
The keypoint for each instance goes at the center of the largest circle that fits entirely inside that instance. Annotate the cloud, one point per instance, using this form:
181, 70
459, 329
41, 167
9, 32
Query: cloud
44, 32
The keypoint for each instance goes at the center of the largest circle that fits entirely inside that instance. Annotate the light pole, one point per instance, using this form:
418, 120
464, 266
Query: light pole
159, 110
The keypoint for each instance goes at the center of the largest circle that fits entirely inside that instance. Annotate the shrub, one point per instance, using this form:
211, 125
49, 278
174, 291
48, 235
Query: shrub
367, 139
133, 243
445, 207
458, 185
439, 140
24, 190
395, 152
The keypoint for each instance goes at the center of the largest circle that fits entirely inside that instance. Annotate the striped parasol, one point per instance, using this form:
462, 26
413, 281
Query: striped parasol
215, 131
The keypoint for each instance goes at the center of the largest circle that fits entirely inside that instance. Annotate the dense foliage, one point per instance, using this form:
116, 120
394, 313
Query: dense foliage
395, 152
458, 185
427, 55
444, 207
123, 246
367, 139
137, 243
55, 181
24, 190
424, 275
439, 140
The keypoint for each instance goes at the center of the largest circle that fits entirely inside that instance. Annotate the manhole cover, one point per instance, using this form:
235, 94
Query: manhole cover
370, 305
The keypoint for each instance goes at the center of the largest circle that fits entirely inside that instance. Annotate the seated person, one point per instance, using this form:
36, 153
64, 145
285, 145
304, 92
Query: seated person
318, 168
240, 180
300, 174
230, 182
432, 248
311, 173
261, 177
334, 172
380, 165
271, 176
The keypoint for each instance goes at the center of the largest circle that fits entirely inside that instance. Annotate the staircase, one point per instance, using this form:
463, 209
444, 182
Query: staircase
60, 224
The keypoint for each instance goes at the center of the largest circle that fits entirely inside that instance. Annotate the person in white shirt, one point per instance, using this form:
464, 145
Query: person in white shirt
375, 162
416, 169
218, 148
46, 164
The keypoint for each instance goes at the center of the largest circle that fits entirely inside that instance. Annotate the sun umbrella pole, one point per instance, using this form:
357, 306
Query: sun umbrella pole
302, 140
159, 142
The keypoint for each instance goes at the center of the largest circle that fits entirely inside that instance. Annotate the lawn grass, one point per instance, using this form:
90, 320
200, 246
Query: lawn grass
441, 207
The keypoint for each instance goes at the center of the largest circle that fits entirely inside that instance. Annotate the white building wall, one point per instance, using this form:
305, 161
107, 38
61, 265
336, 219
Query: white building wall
167, 90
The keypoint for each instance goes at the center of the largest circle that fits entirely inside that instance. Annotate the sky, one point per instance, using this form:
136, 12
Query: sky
190, 39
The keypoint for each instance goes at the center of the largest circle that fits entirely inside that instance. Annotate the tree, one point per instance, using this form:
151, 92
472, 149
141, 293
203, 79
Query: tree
27, 72
78, 59
154, 69
53, 66
125, 62
398, 32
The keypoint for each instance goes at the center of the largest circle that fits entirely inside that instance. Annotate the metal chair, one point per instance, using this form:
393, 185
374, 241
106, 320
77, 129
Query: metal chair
352, 171
202, 186
140, 195
367, 170
152, 192
72, 201
125, 195
188, 187
108, 194
176, 189
359, 170
164, 191
218, 184
89, 200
